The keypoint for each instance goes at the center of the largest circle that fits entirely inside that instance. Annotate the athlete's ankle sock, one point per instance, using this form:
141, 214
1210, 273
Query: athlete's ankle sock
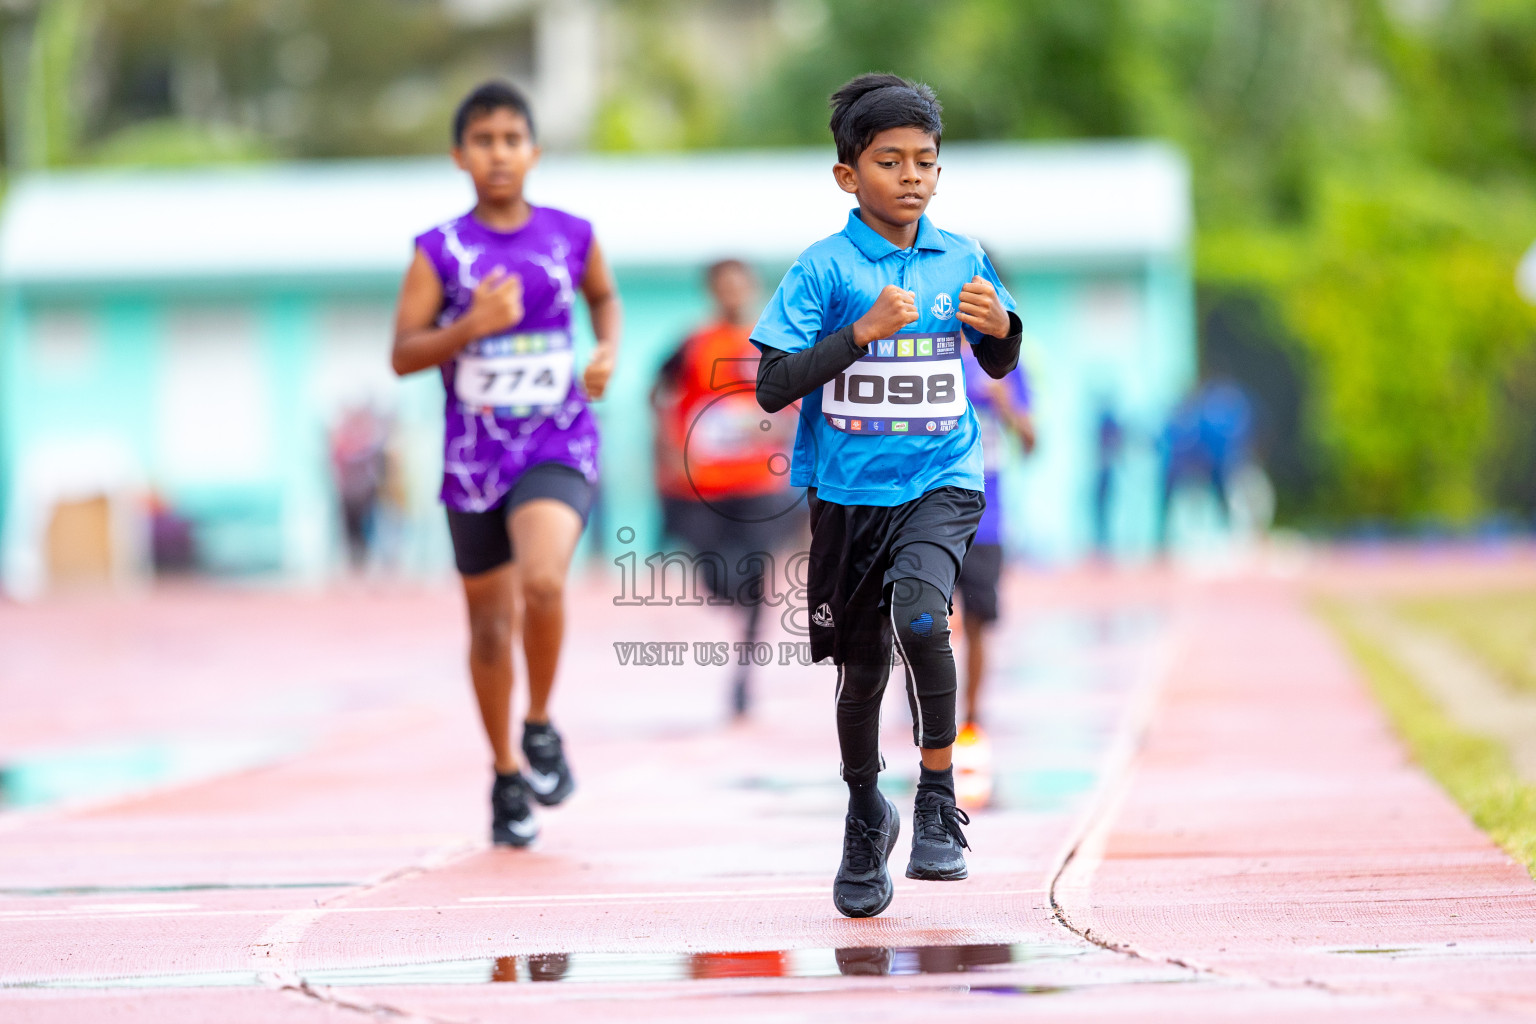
536, 727
865, 802
941, 781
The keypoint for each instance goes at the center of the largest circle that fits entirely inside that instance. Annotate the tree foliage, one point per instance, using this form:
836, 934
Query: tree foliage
1365, 166
1364, 169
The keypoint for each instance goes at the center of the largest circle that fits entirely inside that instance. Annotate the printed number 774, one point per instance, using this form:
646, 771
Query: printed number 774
490, 377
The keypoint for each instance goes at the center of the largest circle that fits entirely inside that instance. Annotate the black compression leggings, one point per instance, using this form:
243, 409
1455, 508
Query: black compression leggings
919, 624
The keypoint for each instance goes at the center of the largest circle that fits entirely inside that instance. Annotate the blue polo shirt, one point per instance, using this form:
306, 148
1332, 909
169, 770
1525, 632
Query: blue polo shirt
896, 452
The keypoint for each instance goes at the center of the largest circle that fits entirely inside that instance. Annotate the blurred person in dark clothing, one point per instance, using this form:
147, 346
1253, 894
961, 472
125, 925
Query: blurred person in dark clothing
360, 462
1110, 439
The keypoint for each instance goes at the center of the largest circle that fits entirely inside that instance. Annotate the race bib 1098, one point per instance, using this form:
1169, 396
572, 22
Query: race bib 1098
909, 384
520, 372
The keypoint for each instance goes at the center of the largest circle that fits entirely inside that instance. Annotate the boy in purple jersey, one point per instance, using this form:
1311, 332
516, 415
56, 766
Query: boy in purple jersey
488, 301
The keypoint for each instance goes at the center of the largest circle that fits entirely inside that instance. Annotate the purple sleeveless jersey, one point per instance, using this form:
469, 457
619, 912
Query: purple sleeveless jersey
512, 399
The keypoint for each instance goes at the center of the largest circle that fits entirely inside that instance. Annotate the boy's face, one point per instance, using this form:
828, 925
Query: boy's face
733, 289
895, 175
497, 152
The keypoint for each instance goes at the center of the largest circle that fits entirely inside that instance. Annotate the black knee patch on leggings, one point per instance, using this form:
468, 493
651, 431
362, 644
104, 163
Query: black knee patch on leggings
920, 623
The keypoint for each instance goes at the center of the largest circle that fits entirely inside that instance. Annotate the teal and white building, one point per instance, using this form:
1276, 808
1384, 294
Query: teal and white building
193, 335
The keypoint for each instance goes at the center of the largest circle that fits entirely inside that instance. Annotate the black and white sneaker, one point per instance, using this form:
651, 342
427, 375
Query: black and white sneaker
937, 839
512, 821
863, 886
549, 776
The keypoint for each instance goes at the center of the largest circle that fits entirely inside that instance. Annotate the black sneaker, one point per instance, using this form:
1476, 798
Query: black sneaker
937, 839
512, 821
549, 777
863, 886
856, 961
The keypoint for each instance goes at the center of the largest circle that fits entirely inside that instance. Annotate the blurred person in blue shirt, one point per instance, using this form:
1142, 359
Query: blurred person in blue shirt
1002, 407
1205, 442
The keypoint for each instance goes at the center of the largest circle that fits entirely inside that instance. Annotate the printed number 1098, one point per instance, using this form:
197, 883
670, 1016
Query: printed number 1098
901, 389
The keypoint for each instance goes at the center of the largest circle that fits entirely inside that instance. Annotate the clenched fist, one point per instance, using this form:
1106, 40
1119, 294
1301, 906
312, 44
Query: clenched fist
498, 303
893, 310
595, 378
982, 309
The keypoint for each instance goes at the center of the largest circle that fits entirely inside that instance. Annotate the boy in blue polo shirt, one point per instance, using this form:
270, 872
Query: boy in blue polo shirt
866, 328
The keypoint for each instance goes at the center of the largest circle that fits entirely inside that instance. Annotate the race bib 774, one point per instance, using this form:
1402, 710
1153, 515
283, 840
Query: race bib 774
907, 384
521, 372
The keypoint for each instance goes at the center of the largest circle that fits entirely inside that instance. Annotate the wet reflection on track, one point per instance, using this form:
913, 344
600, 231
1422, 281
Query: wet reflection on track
608, 968
631, 968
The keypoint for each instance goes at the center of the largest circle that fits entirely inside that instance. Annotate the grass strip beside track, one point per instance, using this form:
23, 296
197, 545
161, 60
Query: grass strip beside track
1475, 770
1497, 627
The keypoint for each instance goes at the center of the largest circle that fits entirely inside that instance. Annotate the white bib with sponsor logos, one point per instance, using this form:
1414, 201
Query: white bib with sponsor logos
516, 371
909, 384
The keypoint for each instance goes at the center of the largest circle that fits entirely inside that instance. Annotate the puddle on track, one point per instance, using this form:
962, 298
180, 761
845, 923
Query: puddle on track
1056, 709
126, 769
637, 968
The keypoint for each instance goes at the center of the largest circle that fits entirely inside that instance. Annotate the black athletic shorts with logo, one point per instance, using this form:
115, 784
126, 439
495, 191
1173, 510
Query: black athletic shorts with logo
979, 577
857, 551
482, 541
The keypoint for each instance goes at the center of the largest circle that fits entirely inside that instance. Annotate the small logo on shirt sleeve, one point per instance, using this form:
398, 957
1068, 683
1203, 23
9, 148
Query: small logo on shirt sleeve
943, 307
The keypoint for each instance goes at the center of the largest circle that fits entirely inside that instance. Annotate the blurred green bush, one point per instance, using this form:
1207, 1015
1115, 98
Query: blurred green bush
1398, 295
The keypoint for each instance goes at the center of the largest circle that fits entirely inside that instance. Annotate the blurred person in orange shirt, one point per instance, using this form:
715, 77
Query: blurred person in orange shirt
722, 464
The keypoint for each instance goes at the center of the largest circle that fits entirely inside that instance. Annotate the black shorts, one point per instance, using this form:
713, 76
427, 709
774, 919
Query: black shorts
733, 528
979, 576
482, 541
857, 551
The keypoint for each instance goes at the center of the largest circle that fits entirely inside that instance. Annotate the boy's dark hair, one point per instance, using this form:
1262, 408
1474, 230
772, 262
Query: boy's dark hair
872, 103
486, 97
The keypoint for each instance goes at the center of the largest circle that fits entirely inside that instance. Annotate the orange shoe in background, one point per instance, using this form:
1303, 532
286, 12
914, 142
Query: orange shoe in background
973, 768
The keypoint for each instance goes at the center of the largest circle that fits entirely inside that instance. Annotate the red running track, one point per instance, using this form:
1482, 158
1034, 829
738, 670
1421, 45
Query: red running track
1237, 827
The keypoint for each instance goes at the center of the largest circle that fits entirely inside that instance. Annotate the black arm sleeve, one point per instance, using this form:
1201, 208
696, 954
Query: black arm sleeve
997, 356
784, 377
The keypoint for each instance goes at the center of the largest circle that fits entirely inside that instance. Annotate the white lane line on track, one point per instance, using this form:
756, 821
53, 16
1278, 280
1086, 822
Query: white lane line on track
1077, 860
272, 956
